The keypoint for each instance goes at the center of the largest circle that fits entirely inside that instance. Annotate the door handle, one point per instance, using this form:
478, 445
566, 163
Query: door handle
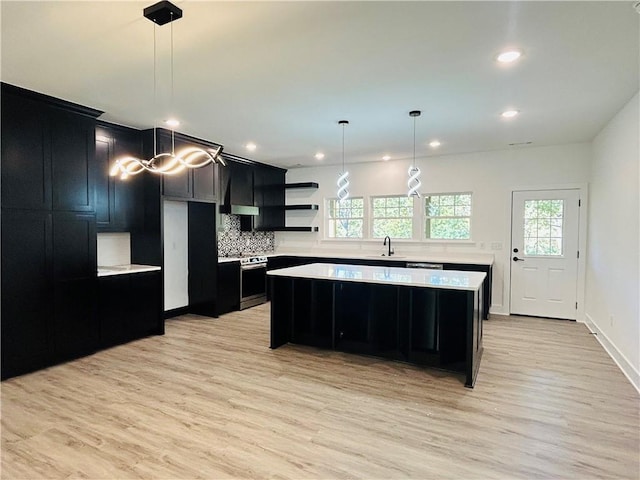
516, 259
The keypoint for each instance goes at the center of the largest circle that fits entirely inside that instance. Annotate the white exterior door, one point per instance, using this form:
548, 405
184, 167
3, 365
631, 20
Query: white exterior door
544, 253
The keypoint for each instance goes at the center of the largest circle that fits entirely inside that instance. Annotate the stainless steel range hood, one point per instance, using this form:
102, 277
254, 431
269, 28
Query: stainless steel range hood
240, 210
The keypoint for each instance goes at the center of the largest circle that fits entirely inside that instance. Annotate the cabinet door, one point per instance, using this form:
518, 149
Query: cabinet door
26, 161
76, 326
73, 171
74, 246
26, 291
113, 309
203, 259
272, 214
179, 185
204, 183
228, 287
104, 184
241, 184
145, 305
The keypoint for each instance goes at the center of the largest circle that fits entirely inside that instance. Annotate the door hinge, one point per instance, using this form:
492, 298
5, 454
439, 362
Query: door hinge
578, 256
579, 202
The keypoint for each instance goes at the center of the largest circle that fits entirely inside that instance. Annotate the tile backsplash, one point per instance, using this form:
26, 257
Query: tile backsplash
232, 242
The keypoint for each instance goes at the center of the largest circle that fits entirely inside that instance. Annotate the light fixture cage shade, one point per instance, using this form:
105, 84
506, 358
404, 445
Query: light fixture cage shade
414, 182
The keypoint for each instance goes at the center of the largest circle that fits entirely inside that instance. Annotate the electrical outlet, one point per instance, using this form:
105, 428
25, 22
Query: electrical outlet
481, 245
496, 245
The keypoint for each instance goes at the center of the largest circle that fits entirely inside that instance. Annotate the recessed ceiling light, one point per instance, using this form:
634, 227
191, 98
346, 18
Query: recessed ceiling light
172, 122
250, 146
510, 113
434, 144
319, 156
386, 158
509, 56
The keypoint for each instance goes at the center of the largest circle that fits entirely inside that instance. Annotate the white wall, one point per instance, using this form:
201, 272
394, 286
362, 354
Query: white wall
613, 262
114, 249
489, 175
176, 260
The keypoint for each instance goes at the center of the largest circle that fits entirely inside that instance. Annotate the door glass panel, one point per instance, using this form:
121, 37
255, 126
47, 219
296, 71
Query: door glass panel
543, 222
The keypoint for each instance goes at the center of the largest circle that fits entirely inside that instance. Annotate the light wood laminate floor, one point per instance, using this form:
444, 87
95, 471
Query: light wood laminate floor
211, 400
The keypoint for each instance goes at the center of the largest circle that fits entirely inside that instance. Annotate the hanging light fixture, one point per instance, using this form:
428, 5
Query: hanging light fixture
343, 178
414, 172
162, 13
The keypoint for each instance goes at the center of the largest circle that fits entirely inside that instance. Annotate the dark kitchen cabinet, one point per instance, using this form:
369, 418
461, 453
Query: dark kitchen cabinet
199, 184
26, 155
228, 287
73, 170
129, 307
241, 183
26, 291
48, 288
48, 152
486, 286
119, 202
203, 259
269, 196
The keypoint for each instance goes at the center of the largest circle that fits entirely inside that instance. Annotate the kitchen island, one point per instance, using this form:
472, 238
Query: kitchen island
420, 316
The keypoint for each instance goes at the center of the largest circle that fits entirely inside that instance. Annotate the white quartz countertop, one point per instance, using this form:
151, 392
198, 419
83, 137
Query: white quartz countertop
465, 258
412, 277
106, 271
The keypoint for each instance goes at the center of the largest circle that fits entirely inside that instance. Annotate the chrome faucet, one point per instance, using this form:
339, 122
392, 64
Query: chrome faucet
385, 242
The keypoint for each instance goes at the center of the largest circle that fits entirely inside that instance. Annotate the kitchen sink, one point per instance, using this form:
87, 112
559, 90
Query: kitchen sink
385, 257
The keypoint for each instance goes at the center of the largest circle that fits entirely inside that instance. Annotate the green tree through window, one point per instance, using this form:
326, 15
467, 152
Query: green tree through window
448, 217
345, 218
392, 216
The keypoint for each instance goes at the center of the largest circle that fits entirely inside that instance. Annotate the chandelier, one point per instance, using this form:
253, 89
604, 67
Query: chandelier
166, 163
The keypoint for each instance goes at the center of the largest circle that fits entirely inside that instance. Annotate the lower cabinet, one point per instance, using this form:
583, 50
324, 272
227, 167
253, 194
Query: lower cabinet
228, 287
129, 307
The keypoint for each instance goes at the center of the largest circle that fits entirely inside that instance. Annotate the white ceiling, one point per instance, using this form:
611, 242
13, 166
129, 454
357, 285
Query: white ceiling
281, 74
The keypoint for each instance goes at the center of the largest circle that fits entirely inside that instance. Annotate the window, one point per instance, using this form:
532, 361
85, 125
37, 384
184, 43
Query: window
392, 216
448, 217
543, 227
345, 218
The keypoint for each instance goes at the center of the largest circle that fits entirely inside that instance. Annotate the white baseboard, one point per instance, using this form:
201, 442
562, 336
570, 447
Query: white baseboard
629, 370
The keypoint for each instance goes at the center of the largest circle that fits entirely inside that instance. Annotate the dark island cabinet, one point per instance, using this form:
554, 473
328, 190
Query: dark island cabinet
129, 307
119, 202
228, 287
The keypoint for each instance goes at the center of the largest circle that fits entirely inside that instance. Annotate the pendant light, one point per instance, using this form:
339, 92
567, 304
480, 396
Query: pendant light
343, 178
166, 163
414, 172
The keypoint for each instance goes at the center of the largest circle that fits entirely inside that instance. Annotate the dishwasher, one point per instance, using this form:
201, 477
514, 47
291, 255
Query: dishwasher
432, 266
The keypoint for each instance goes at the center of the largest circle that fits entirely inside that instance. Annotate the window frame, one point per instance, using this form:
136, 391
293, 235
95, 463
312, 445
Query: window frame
427, 218
372, 219
328, 219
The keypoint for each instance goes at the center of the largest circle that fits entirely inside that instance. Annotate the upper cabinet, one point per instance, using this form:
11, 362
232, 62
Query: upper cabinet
119, 203
48, 148
269, 196
199, 184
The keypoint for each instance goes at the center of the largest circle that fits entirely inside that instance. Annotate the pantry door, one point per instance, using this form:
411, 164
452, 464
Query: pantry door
544, 253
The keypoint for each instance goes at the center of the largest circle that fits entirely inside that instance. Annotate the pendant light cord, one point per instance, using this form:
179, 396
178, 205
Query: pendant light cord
414, 142
173, 141
343, 147
155, 95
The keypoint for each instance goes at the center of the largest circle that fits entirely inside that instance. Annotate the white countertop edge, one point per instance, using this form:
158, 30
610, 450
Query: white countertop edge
108, 271
462, 258
410, 277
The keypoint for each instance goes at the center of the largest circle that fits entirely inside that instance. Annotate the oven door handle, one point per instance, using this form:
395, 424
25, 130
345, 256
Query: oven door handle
255, 266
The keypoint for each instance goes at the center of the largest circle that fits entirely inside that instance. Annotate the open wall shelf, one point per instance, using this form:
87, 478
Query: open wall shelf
301, 207
301, 185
